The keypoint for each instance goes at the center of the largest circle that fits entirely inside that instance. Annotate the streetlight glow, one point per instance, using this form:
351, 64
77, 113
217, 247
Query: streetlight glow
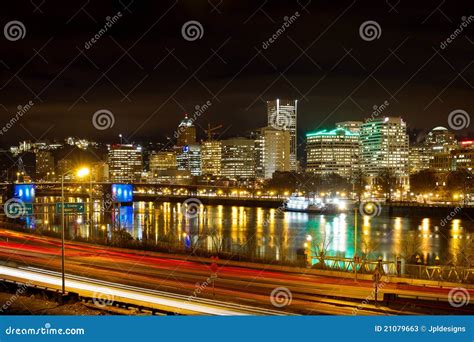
83, 172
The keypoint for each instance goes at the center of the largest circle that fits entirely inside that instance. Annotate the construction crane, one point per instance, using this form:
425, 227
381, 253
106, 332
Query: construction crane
209, 131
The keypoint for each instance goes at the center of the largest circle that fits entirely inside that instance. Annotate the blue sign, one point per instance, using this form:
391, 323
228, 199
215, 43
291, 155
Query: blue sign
122, 192
25, 192
186, 149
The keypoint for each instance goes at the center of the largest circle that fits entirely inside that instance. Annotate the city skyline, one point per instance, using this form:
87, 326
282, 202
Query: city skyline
172, 138
369, 146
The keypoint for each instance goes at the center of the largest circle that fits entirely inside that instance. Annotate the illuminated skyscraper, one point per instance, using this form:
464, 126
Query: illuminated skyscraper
335, 151
352, 126
163, 160
186, 132
125, 163
384, 145
440, 140
189, 158
282, 114
211, 157
419, 158
463, 156
273, 151
238, 158
44, 164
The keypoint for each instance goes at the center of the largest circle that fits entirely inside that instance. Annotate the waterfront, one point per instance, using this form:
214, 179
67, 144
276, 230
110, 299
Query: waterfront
269, 234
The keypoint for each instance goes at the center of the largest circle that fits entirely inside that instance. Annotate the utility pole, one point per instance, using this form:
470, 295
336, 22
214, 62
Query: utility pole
62, 237
355, 243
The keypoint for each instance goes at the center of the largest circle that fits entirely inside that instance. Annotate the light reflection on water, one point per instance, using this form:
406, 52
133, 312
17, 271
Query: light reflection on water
272, 235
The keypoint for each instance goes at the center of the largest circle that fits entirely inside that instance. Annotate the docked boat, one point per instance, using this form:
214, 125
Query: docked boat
314, 204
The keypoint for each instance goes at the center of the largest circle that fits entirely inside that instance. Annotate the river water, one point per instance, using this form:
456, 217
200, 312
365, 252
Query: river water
269, 234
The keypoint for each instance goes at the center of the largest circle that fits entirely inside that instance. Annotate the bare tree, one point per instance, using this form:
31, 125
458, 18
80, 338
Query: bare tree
358, 183
320, 245
387, 181
217, 240
410, 248
367, 247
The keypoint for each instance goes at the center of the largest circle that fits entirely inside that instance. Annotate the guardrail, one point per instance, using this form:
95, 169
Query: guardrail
459, 274
448, 273
349, 265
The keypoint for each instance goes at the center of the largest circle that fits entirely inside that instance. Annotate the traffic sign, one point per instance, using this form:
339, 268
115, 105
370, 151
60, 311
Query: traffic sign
70, 208
21, 209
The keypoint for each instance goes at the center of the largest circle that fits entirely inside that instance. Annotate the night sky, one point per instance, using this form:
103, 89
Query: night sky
144, 72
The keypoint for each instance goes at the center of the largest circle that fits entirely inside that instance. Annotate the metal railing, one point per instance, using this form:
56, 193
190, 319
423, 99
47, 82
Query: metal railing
457, 274
449, 273
349, 265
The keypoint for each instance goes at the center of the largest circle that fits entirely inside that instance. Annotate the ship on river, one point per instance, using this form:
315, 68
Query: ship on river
315, 204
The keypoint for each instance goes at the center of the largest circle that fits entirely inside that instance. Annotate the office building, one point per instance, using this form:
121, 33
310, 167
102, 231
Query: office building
65, 167
211, 157
463, 156
441, 162
238, 158
100, 171
125, 163
384, 145
186, 132
272, 150
44, 165
163, 160
282, 114
335, 151
418, 158
440, 140
351, 126
189, 158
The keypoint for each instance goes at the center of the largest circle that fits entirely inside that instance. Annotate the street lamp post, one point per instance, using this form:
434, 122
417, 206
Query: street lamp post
80, 173
91, 207
355, 243
63, 279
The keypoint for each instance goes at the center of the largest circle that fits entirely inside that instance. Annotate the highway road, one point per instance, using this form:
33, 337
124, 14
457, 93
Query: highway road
174, 281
